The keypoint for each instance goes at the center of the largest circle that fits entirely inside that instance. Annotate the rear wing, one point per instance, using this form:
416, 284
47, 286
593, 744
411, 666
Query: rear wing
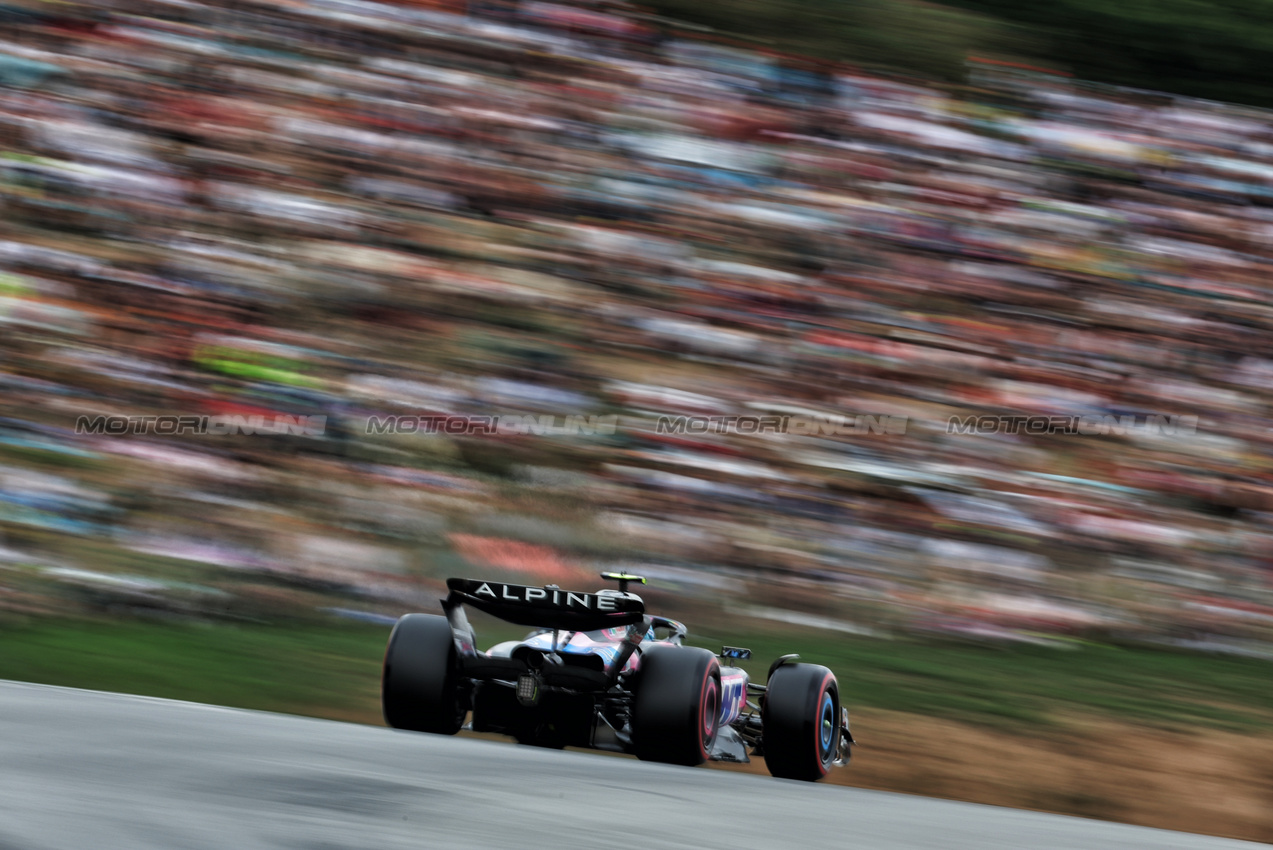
547, 607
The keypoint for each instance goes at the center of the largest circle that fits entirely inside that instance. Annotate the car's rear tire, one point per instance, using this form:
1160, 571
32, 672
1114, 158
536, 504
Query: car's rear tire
676, 711
419, 688
801, 717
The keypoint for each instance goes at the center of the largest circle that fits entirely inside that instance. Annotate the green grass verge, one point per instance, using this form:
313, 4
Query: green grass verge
1032, 685
333, 670
309, 669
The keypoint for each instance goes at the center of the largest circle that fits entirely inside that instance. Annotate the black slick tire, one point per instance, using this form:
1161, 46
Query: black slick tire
676, 710
801, 717
419, 687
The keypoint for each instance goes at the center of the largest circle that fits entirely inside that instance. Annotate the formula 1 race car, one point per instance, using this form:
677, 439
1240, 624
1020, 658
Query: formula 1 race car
598, 672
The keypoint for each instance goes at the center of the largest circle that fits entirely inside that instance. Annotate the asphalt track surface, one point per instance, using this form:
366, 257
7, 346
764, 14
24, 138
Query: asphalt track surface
84, 769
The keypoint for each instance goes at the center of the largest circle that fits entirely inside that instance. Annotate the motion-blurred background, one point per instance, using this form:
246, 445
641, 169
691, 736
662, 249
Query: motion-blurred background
284, 210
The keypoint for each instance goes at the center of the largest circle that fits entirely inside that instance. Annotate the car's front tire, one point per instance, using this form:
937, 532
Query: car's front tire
801, 717
419, 687
676, 710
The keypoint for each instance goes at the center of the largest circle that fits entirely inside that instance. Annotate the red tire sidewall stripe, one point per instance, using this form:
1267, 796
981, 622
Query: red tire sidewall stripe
823, 769
702, 711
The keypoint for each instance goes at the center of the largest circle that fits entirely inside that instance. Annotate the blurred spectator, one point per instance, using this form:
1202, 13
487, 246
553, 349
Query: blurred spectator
349, 209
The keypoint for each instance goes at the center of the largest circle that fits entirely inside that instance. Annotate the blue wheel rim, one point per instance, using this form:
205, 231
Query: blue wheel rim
826, 720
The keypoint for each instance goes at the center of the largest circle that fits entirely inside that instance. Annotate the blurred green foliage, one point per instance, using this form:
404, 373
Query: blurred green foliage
1215, 50
925, 39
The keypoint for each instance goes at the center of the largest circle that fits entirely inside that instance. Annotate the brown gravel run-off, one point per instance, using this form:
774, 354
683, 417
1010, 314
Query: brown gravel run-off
1206, 781
1202, 780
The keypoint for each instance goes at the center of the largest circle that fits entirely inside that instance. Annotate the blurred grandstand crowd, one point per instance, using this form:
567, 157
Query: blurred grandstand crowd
353, 209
